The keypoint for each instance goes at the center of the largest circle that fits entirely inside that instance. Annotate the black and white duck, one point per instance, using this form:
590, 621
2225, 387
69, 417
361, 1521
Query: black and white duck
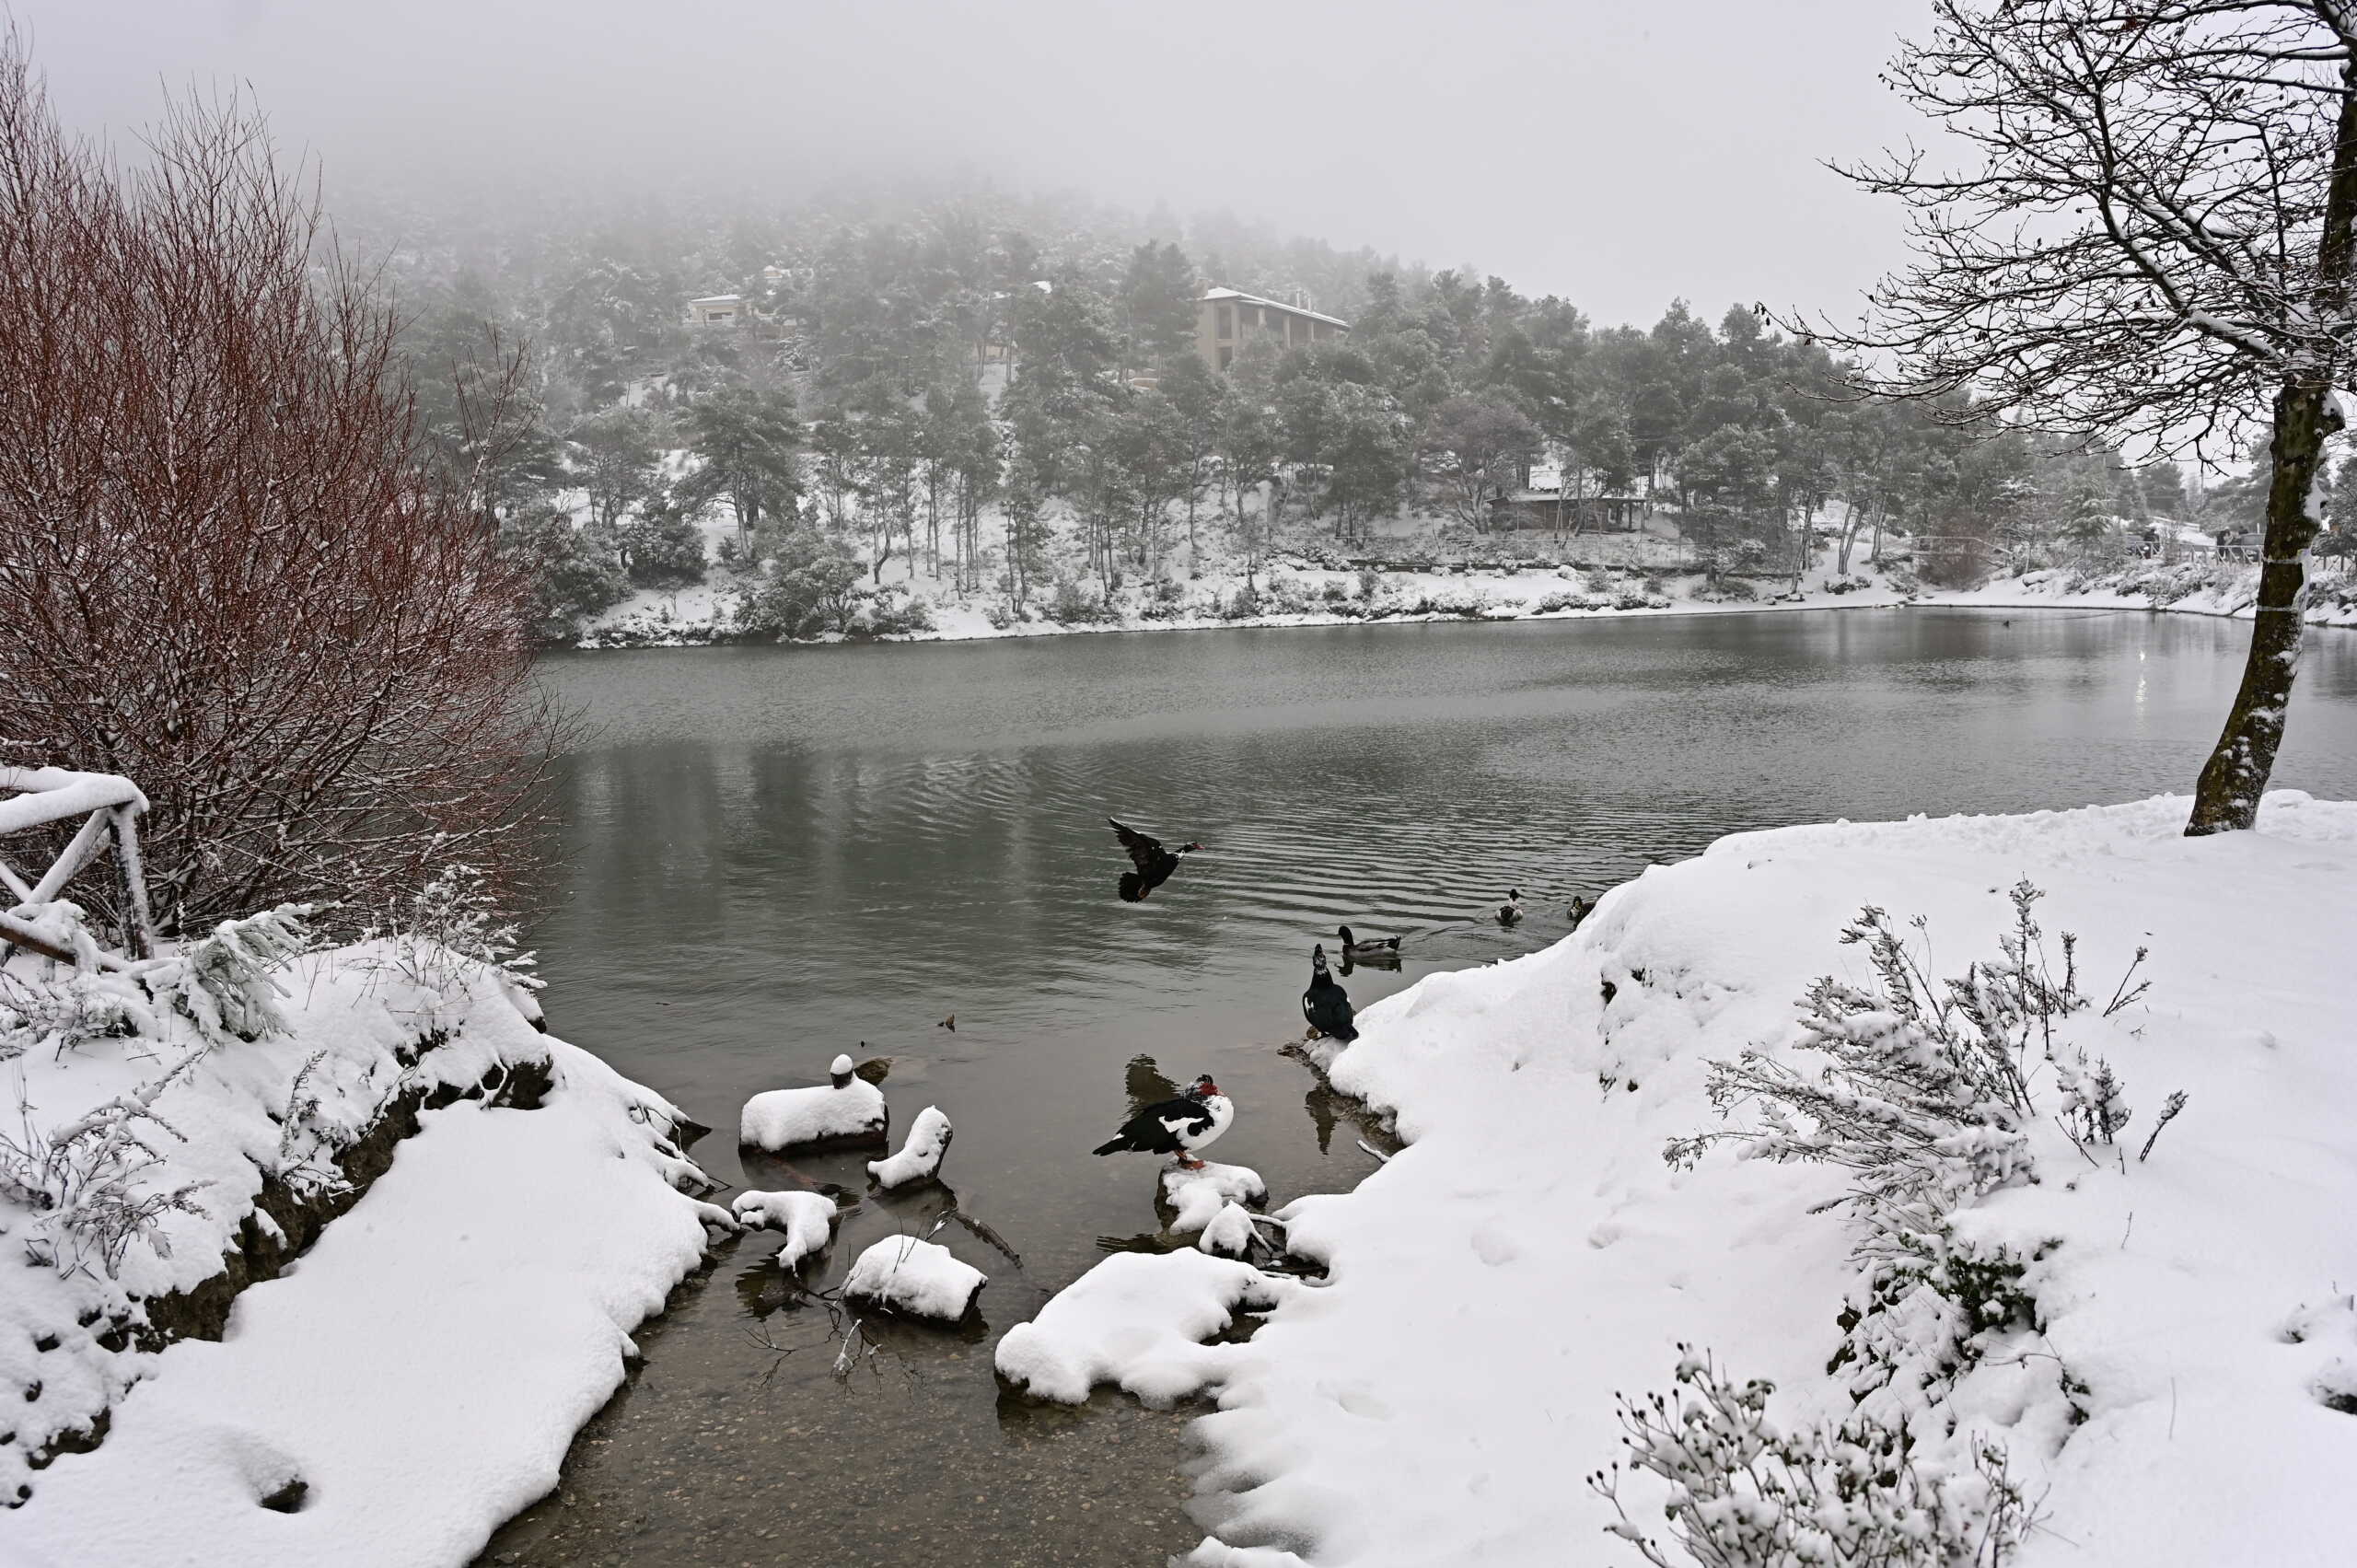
1153, 864
1510, 913
1177, 1127
1326, 1005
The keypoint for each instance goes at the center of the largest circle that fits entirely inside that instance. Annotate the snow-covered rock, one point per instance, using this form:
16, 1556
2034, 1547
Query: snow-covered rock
920, 1157
848, 1109
1137, 1320
1197, 1196
1230, 1233
807, 1219
1529, 1252
920, 1278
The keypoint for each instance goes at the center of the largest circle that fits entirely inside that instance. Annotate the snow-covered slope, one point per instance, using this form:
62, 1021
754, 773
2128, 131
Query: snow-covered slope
415, 1376
1443, 1397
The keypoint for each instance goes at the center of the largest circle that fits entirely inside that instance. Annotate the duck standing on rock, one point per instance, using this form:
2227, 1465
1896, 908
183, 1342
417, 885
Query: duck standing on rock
1154, 863
1510, 913
1326, 1005
1175, 1126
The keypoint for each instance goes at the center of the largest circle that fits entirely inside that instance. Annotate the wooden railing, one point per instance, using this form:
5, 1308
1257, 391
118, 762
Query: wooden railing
109, 807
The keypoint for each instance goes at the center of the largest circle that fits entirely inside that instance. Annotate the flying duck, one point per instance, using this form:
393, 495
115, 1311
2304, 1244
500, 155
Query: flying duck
1326, 1005
1154, 863
1372, 950
1510, 912
1175, 1126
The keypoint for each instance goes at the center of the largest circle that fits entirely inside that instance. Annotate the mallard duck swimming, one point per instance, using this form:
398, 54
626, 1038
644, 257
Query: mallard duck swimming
1510, 913
1154, 863
1374, 948
1581, 908
1326, 1005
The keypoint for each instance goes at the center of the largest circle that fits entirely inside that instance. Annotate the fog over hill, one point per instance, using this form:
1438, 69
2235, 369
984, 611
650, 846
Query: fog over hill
1607, 153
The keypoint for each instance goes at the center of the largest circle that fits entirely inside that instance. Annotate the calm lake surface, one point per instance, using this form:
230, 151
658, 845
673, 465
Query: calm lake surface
776, 855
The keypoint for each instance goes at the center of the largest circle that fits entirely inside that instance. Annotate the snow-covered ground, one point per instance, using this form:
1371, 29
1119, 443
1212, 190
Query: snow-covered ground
2178, 1390
2197, 589
395, 1391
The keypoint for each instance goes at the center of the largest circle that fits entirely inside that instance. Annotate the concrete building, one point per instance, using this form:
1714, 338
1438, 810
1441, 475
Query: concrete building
717, 309
1226, 320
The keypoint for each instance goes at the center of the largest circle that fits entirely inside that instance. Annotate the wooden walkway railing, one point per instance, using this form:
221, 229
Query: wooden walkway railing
34, 798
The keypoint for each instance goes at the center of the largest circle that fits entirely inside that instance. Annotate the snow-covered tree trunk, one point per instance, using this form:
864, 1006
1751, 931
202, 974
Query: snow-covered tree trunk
2305, 418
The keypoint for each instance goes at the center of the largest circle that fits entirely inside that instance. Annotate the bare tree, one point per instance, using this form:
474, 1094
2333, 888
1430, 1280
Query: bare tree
2151, 243
226, 570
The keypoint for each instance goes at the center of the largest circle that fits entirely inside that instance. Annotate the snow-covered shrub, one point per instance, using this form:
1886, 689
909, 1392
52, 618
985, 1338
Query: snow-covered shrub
446, 930
1745, 1492
58, 1014
1550, 603
1925, 1100
82, 1180
1599, 581
1077, 606
1370, 584
225, 982
885, 615
1736, 588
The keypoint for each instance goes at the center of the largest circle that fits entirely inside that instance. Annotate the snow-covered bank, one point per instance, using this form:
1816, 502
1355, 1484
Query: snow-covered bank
2168, 1391
393, 1393
1300, 596
2193, 589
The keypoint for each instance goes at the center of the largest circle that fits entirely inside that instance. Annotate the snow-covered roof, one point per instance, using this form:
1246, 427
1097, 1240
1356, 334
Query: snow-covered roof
1242, 298
719, 299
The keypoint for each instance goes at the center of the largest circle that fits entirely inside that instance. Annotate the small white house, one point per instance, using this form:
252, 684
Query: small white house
717, 310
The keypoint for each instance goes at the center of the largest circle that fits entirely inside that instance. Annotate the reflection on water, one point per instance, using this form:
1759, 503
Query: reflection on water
773, 855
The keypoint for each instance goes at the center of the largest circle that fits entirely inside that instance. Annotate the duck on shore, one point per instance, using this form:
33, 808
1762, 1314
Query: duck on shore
1326, 1005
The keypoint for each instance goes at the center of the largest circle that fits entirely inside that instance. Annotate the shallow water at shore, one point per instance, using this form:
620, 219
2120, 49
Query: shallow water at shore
774, 854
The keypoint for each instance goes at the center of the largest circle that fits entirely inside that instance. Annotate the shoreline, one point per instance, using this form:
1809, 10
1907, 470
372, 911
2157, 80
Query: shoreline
1533, 1175
2336, 607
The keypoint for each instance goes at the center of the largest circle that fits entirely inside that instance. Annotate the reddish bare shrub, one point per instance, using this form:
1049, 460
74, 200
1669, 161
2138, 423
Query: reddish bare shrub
224, 572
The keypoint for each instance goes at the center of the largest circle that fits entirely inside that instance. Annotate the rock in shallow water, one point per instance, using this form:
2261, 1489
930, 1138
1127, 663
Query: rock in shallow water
920, 1279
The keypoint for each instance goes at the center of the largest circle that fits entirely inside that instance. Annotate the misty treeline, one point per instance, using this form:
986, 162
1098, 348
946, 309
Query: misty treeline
896, 379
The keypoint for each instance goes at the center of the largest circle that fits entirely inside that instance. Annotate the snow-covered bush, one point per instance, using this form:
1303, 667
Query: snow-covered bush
1925, 1100
226, 982
223, 985
58, 1014
1074, 604
83, 1179
449, 928
1745, 1492
885, 615
1550, 603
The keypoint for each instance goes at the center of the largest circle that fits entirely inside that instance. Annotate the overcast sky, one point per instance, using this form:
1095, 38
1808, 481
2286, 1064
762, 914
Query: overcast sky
1616, 152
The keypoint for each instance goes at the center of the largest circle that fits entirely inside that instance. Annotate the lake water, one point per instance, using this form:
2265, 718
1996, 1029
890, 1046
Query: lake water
772, 855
